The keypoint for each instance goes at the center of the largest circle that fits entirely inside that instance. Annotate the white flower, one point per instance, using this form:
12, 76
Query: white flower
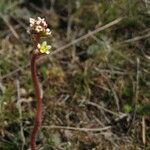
48, 32
38, 22
32, 22
40, 19
44, 23
39, 26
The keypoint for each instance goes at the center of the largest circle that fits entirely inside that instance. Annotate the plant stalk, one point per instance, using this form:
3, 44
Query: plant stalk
38, 115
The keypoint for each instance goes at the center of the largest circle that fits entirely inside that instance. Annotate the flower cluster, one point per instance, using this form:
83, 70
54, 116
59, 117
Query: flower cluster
39, 29
39, 26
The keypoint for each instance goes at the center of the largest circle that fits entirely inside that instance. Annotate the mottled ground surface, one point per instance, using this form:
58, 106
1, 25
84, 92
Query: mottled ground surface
96, 87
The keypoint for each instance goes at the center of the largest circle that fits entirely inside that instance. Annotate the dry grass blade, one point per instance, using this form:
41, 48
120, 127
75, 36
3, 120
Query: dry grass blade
137, 38
106, 110
10, 26
143, 130
20, 115
79, 129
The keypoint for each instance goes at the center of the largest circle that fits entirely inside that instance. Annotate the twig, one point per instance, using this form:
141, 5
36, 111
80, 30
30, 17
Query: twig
52, 4
143, 130
114, 93
10, 26
147, 5
20, 115
69, 20
102, 110
122, 55
12, 6
2, 90
79, 129
111, 71
137, 80
14, 72
136, 93
99, 86
98, 121
136, 38
119, 116
101, 107
7, 31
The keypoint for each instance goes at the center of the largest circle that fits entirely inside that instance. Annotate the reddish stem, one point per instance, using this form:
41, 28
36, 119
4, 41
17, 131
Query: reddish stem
38, 116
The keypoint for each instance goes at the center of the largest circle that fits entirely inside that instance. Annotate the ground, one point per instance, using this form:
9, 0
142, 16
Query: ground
95, 82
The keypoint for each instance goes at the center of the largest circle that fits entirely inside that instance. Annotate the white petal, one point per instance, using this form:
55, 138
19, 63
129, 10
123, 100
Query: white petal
48, 33
38, 22
44, 43
44, 23
47, 30
38, 46
41, 19
47, 52
49, 46
31, 20
28, 30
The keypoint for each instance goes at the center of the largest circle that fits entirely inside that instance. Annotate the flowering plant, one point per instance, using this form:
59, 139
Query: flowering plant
38, 30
